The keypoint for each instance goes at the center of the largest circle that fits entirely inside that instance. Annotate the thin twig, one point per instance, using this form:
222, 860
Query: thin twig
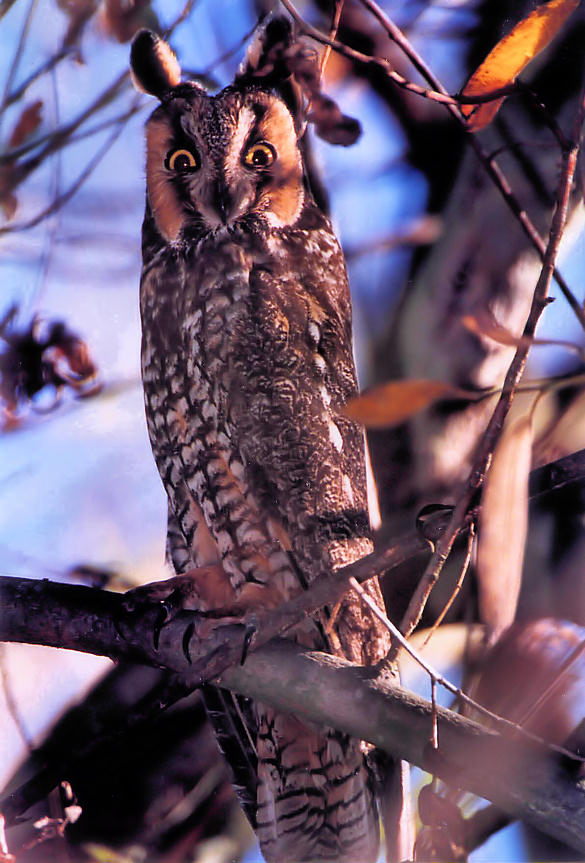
17, 56
51, 232
458, 586
47, 66
336, 18
555, 685
367, 59
11, 703
494, 171
513, 376
440, 95
436, 676
66, 196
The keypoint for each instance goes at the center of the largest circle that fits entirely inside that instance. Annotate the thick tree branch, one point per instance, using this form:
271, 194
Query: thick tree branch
99, 622
520, 777
96, 621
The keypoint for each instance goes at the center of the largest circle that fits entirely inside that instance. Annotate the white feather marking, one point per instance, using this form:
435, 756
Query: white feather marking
320, 363
348, 490
325, 397
314, 332
246, 119
335, 436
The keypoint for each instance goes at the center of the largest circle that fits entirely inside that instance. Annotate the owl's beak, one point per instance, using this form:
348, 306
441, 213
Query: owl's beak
223, 202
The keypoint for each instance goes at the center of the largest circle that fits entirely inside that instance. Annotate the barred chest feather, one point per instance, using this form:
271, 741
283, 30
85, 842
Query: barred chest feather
227, 332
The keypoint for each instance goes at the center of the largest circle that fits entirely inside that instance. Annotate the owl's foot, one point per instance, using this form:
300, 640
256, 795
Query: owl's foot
207, 590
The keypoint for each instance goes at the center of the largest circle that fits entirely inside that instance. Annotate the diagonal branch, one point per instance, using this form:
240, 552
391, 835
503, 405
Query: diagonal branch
520, 777
515, 371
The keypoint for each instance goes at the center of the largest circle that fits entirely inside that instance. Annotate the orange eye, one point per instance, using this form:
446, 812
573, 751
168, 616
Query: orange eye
181, 160
259, 156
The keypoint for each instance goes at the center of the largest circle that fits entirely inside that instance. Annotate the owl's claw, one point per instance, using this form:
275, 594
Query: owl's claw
248, 639
188, 635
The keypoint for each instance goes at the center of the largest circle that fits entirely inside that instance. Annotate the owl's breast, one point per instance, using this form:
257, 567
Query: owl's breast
192, 305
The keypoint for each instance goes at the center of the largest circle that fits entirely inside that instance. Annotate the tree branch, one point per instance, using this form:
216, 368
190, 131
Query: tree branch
520, 777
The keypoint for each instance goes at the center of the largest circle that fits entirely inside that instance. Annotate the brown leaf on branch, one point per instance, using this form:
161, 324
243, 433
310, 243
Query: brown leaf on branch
503, 527
511, 55
28, 122
396, 401
485, 324
290, 58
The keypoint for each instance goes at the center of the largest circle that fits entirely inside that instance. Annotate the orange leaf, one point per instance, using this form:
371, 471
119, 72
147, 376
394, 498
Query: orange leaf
485, 324
511, 55
28, 122
503, 526
394, 402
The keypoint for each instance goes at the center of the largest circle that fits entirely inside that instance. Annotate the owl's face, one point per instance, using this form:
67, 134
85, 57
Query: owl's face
212, 161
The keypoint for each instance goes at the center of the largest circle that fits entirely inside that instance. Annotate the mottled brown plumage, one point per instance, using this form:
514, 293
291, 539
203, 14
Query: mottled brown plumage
246, 354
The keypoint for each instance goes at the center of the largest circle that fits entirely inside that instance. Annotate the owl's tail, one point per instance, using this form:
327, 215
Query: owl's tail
315, 801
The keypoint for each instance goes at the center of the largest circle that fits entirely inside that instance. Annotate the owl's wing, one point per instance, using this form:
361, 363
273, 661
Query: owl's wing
293, 369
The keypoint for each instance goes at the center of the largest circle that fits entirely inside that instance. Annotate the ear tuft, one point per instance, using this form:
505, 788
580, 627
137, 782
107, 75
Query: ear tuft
153, 65
272, 40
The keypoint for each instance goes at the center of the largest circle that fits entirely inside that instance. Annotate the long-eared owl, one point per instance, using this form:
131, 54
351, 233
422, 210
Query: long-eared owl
246, 358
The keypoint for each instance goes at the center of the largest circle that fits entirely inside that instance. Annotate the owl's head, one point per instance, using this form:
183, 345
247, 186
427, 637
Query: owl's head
213, 161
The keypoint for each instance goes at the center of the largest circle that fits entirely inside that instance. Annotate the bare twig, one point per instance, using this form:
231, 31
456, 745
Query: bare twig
13, 710
60, 200
458, 586
437, 677
336, 18
47, 66
367, 59
555, 685
439, 94
513, 376
17, 56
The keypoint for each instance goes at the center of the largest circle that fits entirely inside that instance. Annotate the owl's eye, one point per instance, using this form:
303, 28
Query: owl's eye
181, 160
259, 156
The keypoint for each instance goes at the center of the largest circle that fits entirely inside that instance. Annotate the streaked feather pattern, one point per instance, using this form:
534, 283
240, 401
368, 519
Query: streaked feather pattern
246, 355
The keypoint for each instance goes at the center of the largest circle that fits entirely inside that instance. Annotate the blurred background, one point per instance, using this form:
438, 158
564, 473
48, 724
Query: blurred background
428, 240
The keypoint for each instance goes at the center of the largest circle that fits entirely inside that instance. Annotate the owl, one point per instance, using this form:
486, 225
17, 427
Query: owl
246, 360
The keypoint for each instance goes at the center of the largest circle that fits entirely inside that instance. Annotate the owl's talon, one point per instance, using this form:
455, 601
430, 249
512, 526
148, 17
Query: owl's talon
188, 635
248, 639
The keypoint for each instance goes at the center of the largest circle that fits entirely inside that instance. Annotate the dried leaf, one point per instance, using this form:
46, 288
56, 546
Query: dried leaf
330, 124
485, 324
511, 55
503, 526
28, 122
394, 402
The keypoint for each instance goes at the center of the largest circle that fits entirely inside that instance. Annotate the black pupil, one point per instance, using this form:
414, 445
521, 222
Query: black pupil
182, 162
260, 157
